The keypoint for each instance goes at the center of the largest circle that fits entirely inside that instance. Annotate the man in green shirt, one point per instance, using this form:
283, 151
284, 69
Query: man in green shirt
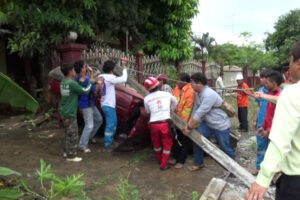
70, 90
283, 153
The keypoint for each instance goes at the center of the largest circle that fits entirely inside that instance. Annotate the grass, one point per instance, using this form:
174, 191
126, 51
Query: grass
141, 156
98, 183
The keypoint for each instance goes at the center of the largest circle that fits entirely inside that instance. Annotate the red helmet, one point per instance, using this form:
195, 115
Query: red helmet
151, 83
162, 77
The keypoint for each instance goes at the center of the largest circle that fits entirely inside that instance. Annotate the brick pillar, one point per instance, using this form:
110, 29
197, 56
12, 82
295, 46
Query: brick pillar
178, 67
245, 74
203, 67
139, 64
71, 52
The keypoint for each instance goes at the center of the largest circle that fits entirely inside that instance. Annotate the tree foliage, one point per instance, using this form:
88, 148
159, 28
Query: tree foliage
287, 32
40, 25
203, 45
252, 56
162, 26
168, 30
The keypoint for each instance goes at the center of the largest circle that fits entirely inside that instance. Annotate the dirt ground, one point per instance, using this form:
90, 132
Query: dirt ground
21, 149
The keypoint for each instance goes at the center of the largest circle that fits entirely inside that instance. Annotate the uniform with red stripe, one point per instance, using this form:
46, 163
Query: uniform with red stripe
159, 104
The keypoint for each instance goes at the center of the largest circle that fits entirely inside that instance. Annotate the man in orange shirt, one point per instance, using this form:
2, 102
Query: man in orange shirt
242, 101
185, 95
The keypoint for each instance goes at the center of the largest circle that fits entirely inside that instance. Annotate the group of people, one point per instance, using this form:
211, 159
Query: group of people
198, 105
79, 90
279, 133
276, 120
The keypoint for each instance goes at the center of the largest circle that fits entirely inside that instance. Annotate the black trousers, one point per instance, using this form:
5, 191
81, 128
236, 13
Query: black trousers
180, 153
288, 188
243, 118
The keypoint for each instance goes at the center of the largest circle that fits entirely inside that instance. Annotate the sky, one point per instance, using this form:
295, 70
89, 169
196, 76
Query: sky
226, 19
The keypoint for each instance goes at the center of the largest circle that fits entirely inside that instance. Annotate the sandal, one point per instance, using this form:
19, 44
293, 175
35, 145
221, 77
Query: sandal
178, 166
196, 167
172, 161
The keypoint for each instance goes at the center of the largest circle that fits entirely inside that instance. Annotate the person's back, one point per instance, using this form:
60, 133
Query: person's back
158, 104
70, 90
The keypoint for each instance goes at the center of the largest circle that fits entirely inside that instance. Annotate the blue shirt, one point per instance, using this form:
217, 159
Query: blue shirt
262, 107
86, 100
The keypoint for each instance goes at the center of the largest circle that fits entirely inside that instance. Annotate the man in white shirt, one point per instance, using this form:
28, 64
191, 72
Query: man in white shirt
108, 100
220, 84
158, 104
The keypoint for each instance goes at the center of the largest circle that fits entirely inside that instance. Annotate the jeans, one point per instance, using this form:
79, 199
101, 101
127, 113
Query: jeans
243, 118
92, 121
262, 145
111, 124
222, 138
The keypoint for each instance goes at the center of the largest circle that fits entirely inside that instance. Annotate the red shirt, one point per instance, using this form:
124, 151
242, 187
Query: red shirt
270, 111
242, 97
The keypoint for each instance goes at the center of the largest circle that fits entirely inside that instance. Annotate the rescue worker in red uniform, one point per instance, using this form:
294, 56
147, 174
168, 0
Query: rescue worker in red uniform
159, 104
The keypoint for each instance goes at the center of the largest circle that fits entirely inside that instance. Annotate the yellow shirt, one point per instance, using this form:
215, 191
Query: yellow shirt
283, 153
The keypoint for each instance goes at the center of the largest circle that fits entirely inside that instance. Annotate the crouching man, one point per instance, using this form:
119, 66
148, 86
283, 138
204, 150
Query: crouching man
158, 104
212, 119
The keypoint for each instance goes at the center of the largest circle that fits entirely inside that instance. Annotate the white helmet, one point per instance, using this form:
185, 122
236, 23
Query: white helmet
239, 77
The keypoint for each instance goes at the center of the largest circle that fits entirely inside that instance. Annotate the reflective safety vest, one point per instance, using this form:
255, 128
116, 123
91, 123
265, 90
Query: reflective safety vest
186, 98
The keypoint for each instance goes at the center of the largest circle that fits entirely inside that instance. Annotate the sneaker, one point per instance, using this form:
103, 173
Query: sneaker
85, 150
75, 159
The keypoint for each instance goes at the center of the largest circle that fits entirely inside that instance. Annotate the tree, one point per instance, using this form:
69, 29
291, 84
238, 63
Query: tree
162, 27
168, 30
40, 25
252, 56
203, 44
287, 32
225, 54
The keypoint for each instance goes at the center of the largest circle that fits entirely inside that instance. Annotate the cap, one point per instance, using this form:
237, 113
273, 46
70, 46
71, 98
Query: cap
150, 83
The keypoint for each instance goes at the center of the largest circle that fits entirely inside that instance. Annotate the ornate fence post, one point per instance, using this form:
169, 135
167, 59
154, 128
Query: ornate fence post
71, 52
203, 66
139, 64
